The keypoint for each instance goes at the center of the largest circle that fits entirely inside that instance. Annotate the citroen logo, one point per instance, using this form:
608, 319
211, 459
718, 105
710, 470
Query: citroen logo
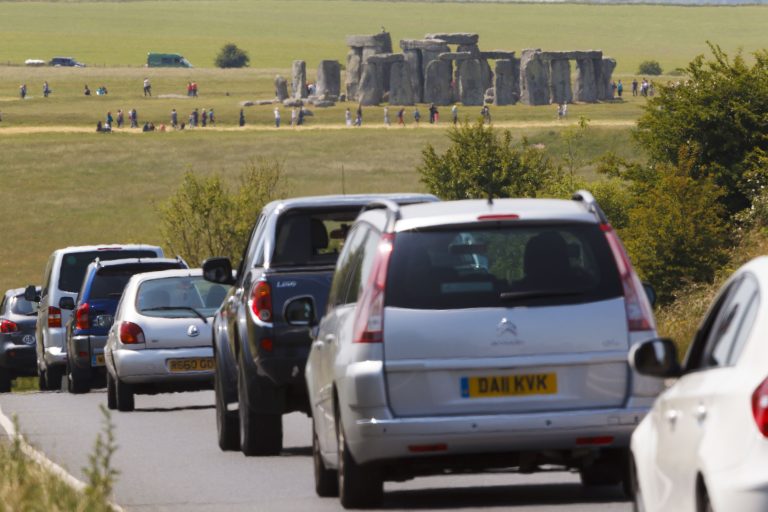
506, 327
192, 331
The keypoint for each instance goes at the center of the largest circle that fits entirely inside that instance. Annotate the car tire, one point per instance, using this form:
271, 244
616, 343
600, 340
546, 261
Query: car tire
53, 377
5, 382
79, 380
111, 392
360, 486
124, 394
608, 469
638, 505
260, 434
227, 422
703, 503
326, 480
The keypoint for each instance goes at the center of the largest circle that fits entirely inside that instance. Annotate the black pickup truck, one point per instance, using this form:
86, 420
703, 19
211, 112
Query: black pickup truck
260, 335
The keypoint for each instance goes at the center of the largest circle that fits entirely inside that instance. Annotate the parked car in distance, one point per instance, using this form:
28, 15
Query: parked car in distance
62, 278
17, 338
704, 445
167, 60
94, 310
260, 335
66, 61
34, 62
160, 340
466, 336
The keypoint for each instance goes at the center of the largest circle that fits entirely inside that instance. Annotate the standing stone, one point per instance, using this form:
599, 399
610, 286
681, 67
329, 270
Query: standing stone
486, 75
560, 82
329, 79
471, 87
534, 78
606, 75
371, 87
281, 88
299, 79
415, 72
471, 48
432, 53
586, 80
400, 84
354, 67
506, 83
437, 83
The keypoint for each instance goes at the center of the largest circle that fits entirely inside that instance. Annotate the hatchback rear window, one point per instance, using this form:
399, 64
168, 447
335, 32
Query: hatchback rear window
109, 282
21, 306
179, 297
501, 266
74, 265
311, 237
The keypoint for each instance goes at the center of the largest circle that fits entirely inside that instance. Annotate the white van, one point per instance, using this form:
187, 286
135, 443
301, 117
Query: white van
63, 277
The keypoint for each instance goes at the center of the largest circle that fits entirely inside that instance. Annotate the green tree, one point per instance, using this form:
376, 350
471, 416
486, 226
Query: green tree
230, 56
720, 114
479, 163
203, 218
649, 67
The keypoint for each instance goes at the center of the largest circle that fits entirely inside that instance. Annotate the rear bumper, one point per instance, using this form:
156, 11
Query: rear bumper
85, 348
20, 360
372, 439
150, 366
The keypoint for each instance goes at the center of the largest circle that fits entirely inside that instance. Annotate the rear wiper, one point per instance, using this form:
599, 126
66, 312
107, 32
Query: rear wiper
535, 294
171, 308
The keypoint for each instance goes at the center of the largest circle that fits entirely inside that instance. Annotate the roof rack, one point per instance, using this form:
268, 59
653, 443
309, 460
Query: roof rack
393, 211
589, 201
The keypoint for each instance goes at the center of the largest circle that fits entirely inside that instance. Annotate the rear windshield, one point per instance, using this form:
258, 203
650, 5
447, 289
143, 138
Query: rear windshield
179, 297
21, 306
74, 265
311, 237
501, 266
109, 282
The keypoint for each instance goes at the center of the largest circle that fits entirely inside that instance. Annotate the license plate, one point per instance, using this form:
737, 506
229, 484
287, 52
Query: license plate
97, 360
192, 364
509, 385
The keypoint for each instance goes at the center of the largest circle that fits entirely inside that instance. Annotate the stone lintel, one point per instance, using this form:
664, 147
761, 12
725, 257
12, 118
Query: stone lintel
385, 58
455, 56
455, 38
573, 55
368, 41
434, 45
497, 54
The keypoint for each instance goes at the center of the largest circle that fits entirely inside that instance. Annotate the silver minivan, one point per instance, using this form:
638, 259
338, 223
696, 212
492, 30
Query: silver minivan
63, 277
468, 336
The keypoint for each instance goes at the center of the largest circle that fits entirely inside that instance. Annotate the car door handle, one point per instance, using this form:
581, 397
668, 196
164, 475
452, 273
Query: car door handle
700, 413
671, 416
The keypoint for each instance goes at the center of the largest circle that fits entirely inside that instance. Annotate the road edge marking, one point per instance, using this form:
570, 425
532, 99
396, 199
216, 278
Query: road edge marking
47, 464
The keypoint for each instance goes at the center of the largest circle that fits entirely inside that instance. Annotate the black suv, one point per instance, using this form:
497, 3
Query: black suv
17, 337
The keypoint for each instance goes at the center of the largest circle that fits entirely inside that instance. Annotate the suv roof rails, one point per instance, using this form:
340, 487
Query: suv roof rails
393, 211
589, 201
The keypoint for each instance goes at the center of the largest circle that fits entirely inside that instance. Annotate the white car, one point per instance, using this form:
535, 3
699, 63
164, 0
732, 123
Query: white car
704, 445
160, 340
470, 336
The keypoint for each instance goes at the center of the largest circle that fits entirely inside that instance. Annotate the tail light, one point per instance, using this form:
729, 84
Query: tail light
82, 320
130, 333
639, 315
54, 317
369, 317
760, 407
261, 301
6, 326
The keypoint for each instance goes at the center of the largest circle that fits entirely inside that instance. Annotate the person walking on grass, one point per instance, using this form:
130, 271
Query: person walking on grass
486, 113
619, 89
242, 118
401, 117
211, 119
147, 87
46, 89
386, 116
348, 117
359, 116
196, 117
23, 91
455, 114
110, 119
133, 118
174, 118
277, 117
204, 118
416, 116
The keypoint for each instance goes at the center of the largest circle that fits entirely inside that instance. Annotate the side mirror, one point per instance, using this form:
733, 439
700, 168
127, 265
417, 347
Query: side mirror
67, 303
218, 270
300, 311
30, 294
655, 358
650, 293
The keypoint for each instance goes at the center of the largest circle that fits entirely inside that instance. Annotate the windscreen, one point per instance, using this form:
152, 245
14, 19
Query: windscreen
179, 297
74, 265
311, 237
109, 282
501, 266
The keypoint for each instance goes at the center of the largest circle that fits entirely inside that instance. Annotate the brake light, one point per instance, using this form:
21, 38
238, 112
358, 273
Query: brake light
261, 301
54, 317
594, 441
130, 333
82, 320
369, 316
639, 315
499, 216
760, 407
6, 326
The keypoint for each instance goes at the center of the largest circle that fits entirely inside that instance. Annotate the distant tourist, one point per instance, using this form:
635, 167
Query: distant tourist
455, 114
110, 119
195, 118
433, 113
277, 117
101, 91
98, 126
133, 118
301, 116
401, 117
211, 119
359, 115
204, 118
120, 119
386, 116
242, 118
23, 91
86, 90
619, 88
46, 89
174, 118
194, 89
189, 89
486, 113
416, 115
613, 89
147, 87
348, 117
634, 87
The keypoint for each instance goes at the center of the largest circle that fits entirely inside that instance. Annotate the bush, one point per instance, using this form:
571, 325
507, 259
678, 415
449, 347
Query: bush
649, 67
230, 56
204, 219
479, 164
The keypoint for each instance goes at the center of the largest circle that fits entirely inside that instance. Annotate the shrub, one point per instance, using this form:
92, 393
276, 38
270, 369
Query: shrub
649, 67
203, 218
230, 56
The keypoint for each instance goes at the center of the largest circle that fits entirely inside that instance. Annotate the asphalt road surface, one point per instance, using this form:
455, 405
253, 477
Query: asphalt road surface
169, 461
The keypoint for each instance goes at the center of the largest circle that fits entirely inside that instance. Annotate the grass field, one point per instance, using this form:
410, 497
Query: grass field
275, 32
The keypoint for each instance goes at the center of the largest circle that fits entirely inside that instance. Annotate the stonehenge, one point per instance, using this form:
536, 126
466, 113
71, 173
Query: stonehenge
443, 68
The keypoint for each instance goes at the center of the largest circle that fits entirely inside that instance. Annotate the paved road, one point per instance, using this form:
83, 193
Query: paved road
169, 461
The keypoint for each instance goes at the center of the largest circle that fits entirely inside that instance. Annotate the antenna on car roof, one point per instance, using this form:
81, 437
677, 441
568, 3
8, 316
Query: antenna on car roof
490, 198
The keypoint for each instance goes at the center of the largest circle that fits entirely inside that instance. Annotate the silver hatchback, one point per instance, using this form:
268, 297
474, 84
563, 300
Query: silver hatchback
475, 335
